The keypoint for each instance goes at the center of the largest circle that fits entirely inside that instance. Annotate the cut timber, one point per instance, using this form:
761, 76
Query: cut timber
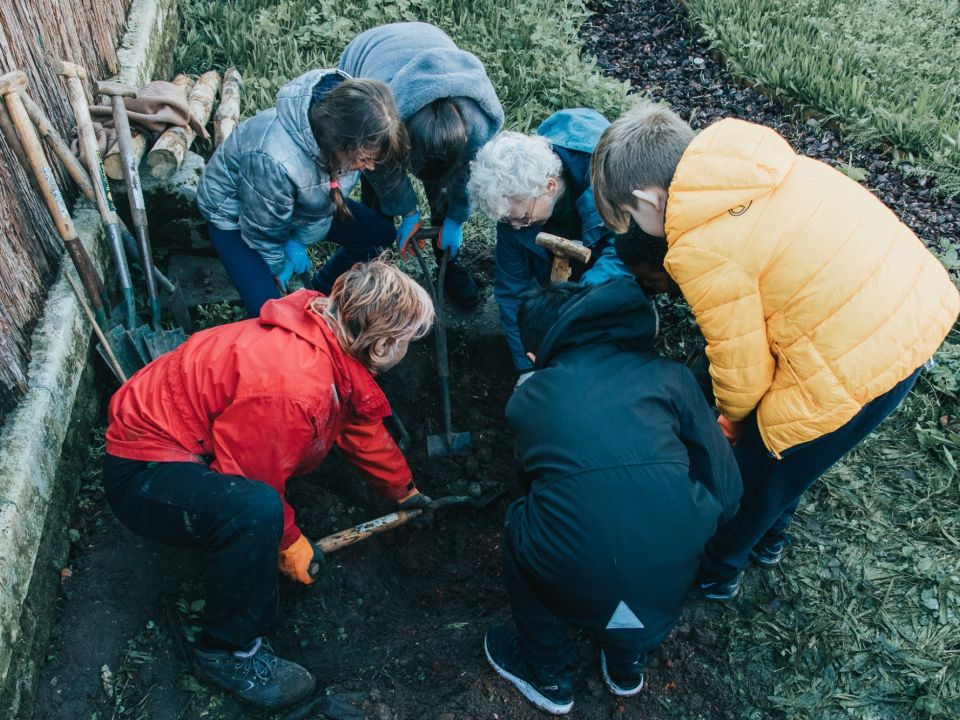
112, 161
228, 114
168, 152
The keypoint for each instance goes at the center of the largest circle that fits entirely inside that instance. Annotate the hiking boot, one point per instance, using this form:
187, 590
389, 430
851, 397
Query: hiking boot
720, 590
622, 681
256, 675
554, 695
768, 554
460, 285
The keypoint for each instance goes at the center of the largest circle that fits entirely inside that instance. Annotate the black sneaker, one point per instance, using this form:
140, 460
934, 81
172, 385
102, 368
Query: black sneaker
460, 285
622, 681
768, 554
555, 696
720, 590
256, 675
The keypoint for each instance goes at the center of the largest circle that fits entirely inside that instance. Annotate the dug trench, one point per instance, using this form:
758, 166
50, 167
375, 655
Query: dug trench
393, 629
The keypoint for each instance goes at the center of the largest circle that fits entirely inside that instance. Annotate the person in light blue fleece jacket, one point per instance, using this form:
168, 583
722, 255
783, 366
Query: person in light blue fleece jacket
278, 184
450, 109
541, 183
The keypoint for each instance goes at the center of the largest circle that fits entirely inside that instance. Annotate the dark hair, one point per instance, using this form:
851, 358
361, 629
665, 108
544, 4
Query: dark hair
540, 310
358, 115
636, 247
438, 139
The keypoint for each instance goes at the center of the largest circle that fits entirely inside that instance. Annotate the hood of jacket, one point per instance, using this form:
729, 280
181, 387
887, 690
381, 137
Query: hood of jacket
616, 312
726, 167
293, 106
420, 63
354, 382
575, 129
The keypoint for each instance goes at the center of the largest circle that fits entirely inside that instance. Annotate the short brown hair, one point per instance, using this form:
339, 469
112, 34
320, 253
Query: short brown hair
373, 307
640, 149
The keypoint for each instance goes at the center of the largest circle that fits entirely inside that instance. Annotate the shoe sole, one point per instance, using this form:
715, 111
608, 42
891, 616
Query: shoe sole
526, 689
765, 564
612, 686
720, 598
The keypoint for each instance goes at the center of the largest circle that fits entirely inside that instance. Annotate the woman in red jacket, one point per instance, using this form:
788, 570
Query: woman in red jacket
201, 442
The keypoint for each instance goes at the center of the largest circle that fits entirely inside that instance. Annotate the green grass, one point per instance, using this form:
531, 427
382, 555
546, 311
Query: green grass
886, 70
535, 62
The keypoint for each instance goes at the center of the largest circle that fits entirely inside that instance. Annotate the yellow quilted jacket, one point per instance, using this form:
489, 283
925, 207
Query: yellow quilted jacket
812, 296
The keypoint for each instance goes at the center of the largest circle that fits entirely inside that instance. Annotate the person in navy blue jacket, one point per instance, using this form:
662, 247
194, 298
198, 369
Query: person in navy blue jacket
541, 182
628, 476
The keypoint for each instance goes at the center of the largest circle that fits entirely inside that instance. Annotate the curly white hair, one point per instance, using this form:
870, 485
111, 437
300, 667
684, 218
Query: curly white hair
512, 165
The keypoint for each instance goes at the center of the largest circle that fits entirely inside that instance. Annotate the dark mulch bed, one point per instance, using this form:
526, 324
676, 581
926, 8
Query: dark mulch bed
652, 44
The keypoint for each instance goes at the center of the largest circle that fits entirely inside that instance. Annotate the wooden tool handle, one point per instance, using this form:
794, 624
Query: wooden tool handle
344, 538
59, 146
69, 70
114, 89
11, 82
561, 247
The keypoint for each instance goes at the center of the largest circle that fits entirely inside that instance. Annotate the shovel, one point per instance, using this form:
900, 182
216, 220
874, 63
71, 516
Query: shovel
345, 538
450, 443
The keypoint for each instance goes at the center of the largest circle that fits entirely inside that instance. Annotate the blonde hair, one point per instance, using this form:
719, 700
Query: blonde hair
640, 149
373, 308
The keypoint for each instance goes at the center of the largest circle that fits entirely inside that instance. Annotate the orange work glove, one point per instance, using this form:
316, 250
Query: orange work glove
732, 430
295, 561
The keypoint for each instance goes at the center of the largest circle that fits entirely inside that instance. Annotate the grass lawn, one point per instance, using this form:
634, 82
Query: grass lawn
863, 619
887, 70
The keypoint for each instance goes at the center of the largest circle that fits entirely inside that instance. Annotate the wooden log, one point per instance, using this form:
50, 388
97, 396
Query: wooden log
168, 152
228, 113
113, 161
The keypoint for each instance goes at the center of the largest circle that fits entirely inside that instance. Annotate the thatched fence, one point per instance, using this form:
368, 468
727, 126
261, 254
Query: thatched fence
32, 34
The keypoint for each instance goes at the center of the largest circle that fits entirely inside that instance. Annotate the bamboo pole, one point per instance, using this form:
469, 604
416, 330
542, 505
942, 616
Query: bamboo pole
168, 152
113, 160
228, 113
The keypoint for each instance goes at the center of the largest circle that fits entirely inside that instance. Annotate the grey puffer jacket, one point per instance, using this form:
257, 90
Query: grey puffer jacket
421, 63
269, 179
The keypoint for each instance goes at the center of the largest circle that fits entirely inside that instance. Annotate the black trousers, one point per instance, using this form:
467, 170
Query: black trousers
236, 522
544, 625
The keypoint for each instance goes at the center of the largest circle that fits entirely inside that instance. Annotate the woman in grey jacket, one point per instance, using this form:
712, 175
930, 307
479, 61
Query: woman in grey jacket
450, 109
279, 183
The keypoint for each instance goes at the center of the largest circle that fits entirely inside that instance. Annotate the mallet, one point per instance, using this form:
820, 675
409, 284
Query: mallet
563, 251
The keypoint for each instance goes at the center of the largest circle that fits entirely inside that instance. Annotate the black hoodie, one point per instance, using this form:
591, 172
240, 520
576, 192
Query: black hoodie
630, 473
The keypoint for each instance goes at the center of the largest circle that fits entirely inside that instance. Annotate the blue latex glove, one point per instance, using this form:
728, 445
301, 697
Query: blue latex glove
451, 236
296, 261
409, 225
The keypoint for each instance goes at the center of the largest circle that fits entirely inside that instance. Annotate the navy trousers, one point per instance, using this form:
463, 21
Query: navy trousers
236, 522
772, 488
360, 239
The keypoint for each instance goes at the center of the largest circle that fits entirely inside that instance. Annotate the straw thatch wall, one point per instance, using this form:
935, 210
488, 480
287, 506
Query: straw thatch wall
32, 34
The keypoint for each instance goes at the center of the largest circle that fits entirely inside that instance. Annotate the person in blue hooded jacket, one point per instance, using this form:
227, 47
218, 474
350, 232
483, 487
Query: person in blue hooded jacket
541, 183
278, 184
627, 476
450, 109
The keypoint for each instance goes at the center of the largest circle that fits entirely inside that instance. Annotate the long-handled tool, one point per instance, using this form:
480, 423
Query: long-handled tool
173, 296
159, 341
450, 442
26, 142
345, 538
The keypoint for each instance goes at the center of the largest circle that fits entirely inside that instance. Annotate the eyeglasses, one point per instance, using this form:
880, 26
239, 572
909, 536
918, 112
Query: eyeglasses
525, 220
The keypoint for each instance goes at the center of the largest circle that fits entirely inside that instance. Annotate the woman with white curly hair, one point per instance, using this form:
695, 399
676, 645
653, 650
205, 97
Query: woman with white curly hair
535, 183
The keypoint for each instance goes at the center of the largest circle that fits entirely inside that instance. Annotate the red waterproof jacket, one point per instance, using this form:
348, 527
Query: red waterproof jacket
266, 399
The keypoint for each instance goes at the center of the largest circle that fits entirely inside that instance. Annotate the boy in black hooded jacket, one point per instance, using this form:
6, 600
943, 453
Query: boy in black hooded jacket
629, 475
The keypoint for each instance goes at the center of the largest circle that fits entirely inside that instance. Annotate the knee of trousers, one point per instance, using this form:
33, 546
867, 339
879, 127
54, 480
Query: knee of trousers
254, 508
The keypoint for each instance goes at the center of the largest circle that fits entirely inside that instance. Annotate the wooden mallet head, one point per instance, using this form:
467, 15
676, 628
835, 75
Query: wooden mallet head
12, 82
69, 70
563, 251
114, 89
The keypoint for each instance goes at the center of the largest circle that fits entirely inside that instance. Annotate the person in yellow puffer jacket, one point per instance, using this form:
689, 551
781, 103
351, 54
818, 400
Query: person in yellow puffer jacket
818, 306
